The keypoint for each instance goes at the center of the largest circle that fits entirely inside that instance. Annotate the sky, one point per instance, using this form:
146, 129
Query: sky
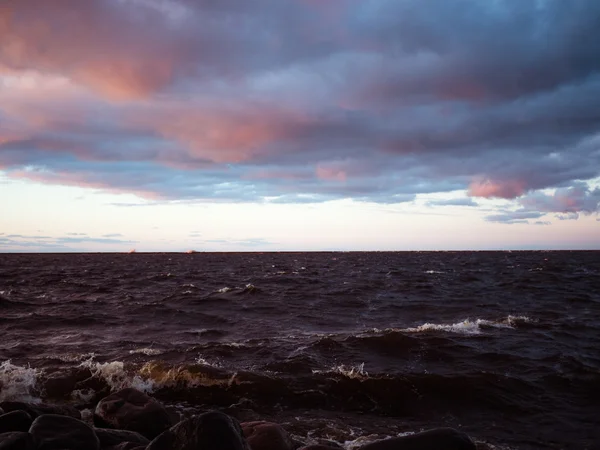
275, 125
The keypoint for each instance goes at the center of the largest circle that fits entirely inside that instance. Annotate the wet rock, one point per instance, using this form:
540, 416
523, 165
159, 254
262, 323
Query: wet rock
212, 430
15, 421
317, 447
266, 436
125, 446
93, 383
17, 440
110, 437
35, 410
436, 439
54, 432
1, 411
130, 409
328, 443
60, 385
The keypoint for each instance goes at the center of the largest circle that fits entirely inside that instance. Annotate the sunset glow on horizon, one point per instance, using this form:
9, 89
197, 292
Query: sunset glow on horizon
170, 125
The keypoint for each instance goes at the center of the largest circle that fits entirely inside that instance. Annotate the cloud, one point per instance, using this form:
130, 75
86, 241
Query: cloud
568, 203
519, 216
542, 222
572, 200
568, 216
112, 235
453, 202
304, 101
69, 242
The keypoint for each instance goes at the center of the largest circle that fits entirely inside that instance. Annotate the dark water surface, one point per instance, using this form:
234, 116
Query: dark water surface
505, 346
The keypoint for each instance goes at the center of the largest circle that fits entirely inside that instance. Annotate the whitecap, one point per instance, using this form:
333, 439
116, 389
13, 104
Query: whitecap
18, 383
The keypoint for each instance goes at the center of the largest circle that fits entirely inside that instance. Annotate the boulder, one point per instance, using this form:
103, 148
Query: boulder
54, 432
15, 421
125, 446
317, 447
17, 440
130, 409
61, 385
436, 439
37, 409
109, 438
266, 436
212, 430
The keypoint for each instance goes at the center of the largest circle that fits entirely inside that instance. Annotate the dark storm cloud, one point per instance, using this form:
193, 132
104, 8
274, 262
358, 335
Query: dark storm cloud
301, 101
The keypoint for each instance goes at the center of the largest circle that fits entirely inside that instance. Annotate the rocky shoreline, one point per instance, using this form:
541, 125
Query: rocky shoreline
131, 420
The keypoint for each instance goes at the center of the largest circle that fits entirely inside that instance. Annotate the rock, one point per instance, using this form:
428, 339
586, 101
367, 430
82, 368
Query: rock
266, 436
317, 447
211, 431
110, 438
130, 409
35, 410
15, 421
436, 439
54, 432
61, 385
1, 411
125, 446
329, 443
323, 444
93, 383
17, 440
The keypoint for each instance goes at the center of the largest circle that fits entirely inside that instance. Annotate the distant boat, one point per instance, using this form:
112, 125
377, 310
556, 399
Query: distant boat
131, 251
191, 251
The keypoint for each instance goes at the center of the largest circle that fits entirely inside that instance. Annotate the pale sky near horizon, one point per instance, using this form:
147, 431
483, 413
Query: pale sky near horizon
172, 125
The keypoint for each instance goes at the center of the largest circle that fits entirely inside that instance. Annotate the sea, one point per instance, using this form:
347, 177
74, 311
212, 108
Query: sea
348, 347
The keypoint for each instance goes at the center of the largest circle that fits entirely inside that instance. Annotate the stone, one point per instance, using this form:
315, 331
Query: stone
130, 409
54, 432
126, 446
37, 409
436, 439
110, 437
15, 421
266, 436
211, 431
17, 440
61, 385
322, 444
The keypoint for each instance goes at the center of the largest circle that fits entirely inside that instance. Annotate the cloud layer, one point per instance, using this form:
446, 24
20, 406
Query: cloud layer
301, 101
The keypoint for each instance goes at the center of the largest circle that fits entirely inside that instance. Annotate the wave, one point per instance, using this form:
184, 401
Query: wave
18, 383
470, 327
339, 387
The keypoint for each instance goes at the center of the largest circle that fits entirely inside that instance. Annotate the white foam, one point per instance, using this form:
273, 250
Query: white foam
83, 395
364, 440
468, 326
204, 362
357, 371
18, 383
116, 376
223, 290
146, 351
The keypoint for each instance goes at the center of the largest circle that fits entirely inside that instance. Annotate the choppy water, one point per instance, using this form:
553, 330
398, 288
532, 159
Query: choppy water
505, 346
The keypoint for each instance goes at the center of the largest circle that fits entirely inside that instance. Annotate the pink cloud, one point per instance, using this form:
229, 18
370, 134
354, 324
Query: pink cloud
330, 173
222, 133
114, 48
488, 188
80, 179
